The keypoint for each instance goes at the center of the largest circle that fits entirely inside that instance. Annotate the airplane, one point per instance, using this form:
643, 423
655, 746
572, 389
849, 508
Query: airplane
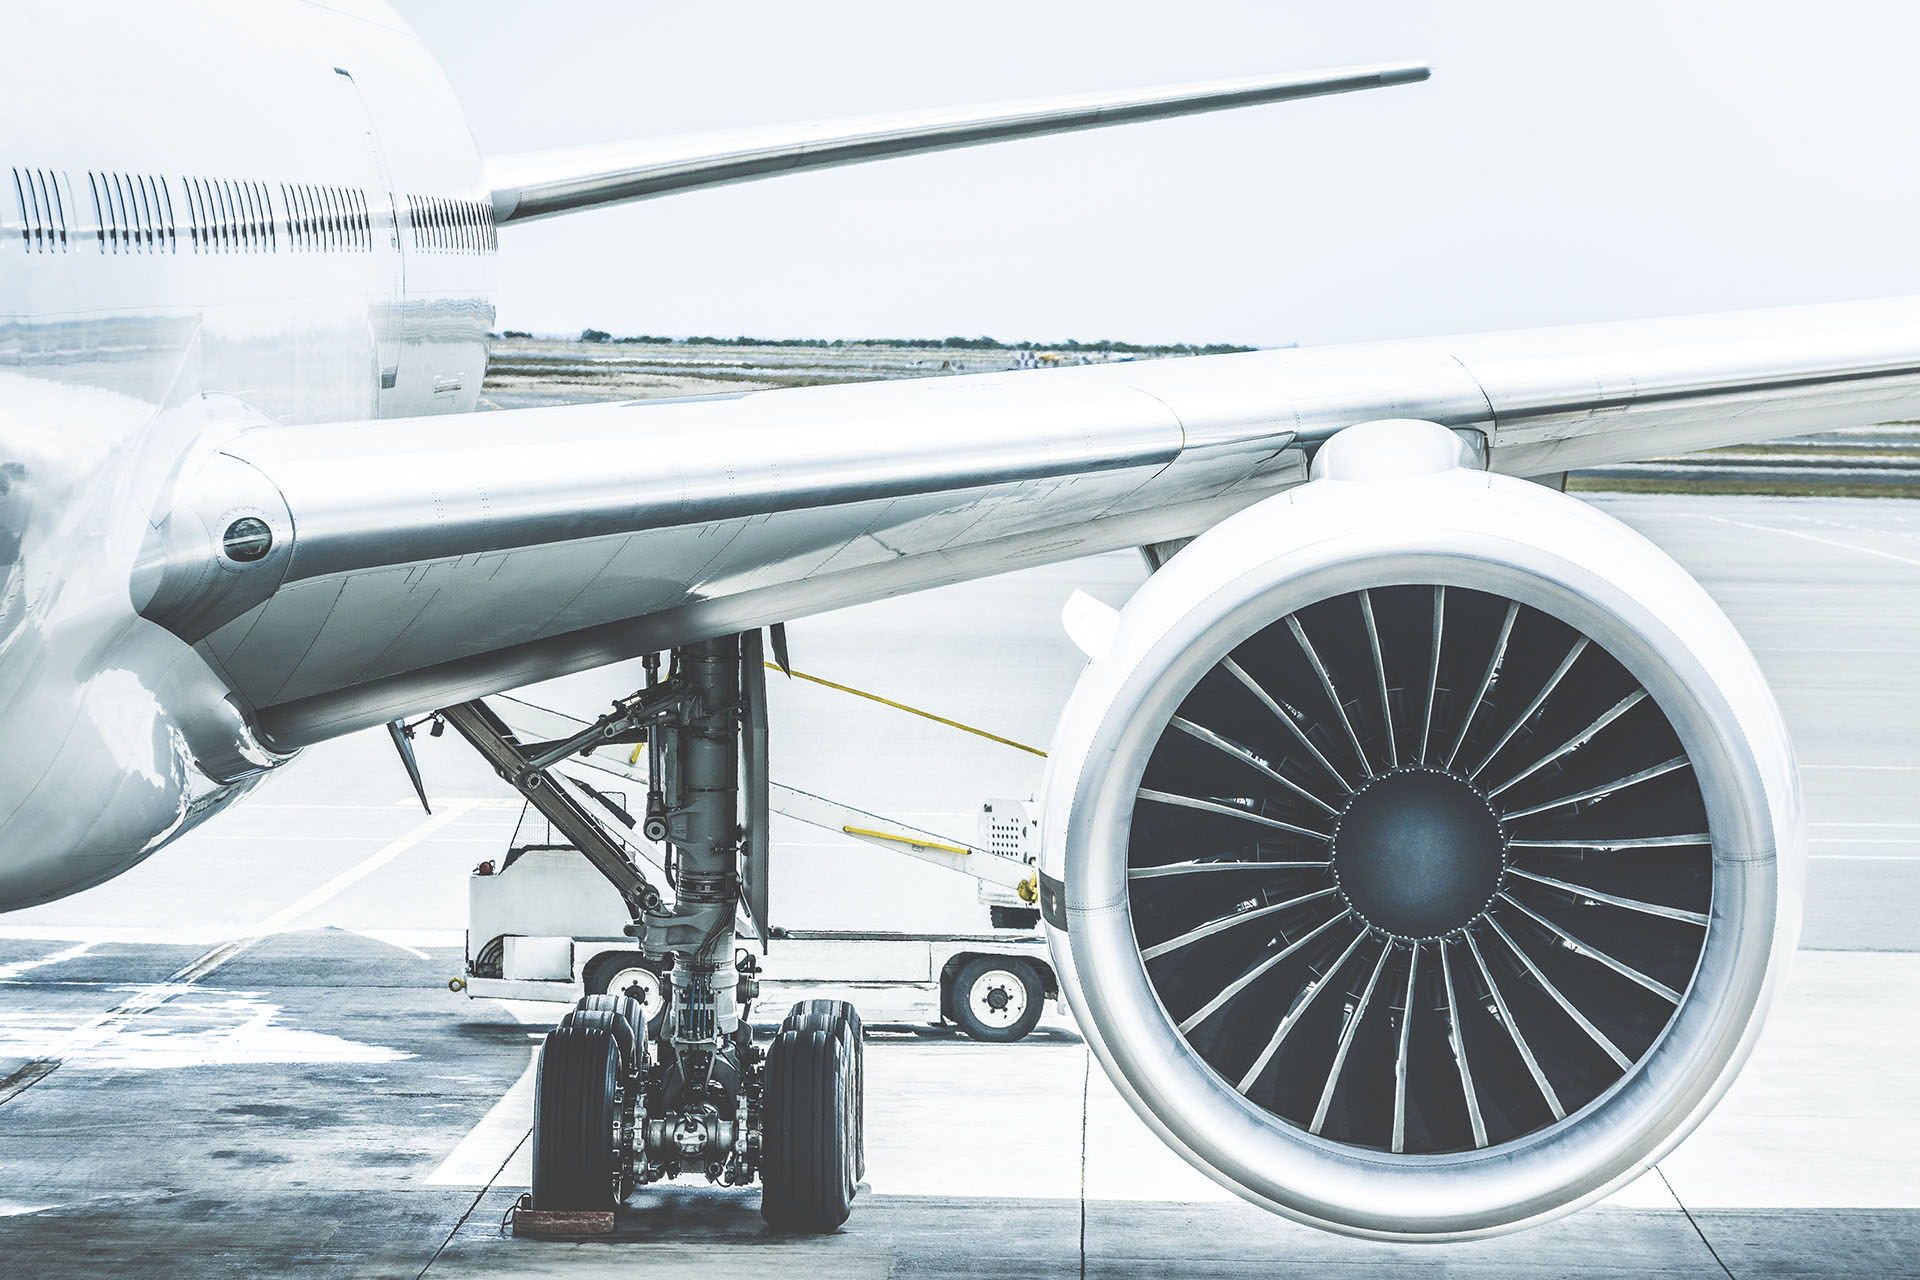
1422, 848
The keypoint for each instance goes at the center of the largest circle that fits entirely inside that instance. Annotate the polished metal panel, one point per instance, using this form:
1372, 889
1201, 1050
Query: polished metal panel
545, 183
1692, 382
1454, 529
437, 560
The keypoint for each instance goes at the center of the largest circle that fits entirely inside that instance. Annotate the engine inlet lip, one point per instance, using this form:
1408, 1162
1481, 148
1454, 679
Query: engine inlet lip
1606, 584
1347, 896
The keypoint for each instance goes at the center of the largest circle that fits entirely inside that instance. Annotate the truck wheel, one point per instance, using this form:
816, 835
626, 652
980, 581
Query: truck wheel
997, 999
629, 974
576, 1117
807, 1171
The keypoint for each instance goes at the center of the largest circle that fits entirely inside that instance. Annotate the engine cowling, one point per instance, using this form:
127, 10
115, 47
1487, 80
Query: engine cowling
1425, 849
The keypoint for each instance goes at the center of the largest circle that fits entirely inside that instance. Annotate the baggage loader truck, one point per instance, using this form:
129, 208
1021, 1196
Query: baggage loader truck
543, 924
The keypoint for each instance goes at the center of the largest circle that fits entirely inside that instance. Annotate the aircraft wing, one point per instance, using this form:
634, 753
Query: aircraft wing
417, 562
545, 183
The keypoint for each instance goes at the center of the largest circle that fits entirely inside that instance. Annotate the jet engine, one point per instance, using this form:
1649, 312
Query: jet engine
1424, 848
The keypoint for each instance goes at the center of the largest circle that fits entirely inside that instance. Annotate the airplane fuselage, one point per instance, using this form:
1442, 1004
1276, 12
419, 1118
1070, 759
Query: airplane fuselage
290, 226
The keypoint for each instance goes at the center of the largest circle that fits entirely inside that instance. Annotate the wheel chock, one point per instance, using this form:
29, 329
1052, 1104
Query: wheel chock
555, 1224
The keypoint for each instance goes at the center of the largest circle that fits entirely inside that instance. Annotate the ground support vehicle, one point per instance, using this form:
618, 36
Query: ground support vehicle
543, 925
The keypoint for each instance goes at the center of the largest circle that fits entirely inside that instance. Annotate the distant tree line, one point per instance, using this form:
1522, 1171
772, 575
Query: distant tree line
1105, 346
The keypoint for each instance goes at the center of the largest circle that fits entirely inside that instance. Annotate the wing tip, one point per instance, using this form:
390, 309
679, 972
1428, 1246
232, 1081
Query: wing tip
604, 179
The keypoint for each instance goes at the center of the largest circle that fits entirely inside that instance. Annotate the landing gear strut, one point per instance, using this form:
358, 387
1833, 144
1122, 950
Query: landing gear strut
627, 1095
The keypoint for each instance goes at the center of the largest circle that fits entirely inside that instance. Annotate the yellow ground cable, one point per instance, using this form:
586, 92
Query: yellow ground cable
915, 711
942, 846
887, 702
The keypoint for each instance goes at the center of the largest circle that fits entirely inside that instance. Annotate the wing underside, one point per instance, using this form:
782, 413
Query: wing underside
421, 561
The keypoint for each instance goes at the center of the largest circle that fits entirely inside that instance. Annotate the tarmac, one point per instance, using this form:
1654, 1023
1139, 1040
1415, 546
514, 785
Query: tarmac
242, 1058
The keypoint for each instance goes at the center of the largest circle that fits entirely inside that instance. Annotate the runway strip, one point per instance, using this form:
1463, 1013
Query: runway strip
92, 1032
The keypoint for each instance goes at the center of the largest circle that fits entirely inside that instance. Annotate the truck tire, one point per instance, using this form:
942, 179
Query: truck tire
576, 1117
616, 972
996, 999
806, 1174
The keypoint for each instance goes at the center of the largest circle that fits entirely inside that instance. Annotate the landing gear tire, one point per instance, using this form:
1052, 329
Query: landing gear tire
577, 1117
626, 1018
810, 1116
997, 1000
844, 1019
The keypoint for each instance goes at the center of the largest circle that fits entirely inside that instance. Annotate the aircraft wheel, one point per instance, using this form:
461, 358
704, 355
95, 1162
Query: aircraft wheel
845, 1020
629, 1023
808, 1115
577, 1120
997, 1000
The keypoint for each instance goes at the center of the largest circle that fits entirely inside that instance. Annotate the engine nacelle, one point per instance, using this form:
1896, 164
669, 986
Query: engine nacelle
1424, 851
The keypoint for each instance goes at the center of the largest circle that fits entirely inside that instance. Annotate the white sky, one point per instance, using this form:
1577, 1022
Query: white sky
1567, 162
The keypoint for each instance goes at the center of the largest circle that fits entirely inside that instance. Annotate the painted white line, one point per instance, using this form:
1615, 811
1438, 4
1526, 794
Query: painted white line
1814, 537
414, 951
204, 936
405, 802
532, 1013
199, 1028
147, 935
12, 972
1850, 652
1862, 840
1648, 1191
502, 1134
479, 1157
255, 839
415, 940
88, 1035
1829, 826
1861, 857
452, 811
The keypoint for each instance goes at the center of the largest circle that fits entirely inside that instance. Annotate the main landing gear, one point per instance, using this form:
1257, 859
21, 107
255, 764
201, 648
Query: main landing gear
626, 1095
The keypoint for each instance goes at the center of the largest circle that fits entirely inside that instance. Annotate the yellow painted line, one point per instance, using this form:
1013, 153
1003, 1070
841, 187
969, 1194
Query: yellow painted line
914, 711
907, 840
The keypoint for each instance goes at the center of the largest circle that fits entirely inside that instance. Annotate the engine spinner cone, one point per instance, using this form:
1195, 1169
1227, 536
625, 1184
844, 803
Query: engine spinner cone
1418, 853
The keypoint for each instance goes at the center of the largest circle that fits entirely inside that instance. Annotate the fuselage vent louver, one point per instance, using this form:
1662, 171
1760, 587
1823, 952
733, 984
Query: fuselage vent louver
41, 197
